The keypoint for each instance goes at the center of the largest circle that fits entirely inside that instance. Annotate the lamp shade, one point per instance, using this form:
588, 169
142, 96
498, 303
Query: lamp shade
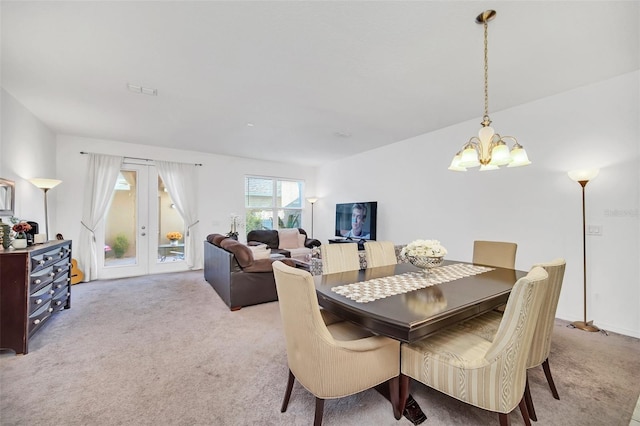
455, 163
519, 157
583, 174
312, 200
45, 183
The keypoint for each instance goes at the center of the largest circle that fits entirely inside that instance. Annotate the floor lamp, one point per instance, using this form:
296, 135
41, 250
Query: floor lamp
312, 200
45, 185
583, 177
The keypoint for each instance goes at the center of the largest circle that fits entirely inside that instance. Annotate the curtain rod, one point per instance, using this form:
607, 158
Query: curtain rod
142, 159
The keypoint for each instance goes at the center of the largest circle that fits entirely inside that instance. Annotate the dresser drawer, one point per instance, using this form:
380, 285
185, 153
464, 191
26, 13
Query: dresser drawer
40, 279
61, 268
42, 260
37, 318
40, 298
60, 284
59, 301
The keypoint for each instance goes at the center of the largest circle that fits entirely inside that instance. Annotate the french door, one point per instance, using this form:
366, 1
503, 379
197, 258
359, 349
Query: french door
142, 232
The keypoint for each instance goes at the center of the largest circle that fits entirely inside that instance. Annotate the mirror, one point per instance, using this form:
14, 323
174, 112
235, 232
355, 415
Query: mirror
7, 197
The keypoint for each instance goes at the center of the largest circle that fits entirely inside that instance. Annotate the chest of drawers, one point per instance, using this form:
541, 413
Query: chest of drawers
35, 283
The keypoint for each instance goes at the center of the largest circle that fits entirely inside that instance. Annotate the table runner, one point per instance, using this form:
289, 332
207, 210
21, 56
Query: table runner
379, 288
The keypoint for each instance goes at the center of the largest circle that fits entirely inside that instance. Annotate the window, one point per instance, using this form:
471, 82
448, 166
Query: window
273, 203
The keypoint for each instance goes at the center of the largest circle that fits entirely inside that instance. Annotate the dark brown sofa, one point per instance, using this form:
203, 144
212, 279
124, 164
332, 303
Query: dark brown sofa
238, 278
271, 239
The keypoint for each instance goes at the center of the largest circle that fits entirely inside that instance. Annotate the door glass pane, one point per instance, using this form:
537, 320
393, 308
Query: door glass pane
120, 222
171, 228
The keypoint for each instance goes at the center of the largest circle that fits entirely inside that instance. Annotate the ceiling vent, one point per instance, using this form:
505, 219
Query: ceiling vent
142, 90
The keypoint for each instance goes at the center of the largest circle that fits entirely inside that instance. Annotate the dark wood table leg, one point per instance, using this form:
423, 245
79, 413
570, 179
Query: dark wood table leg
405, 403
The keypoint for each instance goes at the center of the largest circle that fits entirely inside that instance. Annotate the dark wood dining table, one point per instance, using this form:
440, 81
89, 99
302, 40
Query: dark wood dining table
416, 314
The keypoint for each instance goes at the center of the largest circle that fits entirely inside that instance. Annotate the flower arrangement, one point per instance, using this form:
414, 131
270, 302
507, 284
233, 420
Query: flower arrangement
174, 235
20, 228
235, 222
425, 248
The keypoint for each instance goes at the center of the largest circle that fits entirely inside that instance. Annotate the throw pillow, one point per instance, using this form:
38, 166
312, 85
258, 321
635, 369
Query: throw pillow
288, 238
301, 239
260, 252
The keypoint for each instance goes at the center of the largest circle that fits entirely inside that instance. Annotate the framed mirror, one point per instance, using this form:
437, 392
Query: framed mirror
7, 197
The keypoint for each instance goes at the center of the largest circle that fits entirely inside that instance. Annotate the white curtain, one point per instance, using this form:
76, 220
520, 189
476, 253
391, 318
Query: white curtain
181, 180
101, 179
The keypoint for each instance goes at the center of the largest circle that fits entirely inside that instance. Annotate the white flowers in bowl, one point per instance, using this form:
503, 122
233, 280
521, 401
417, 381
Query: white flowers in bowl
424, 248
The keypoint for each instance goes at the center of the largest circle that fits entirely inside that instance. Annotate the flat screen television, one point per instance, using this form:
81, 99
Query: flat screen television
357, 221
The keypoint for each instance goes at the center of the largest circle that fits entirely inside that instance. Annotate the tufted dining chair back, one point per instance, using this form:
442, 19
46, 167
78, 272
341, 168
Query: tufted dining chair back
495, 253
380, 253
331, 359
339, 258
489, 375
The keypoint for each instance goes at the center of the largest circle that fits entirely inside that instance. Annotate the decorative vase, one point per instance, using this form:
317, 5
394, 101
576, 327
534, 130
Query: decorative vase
6, 239
173, 242
20, 241
426, 262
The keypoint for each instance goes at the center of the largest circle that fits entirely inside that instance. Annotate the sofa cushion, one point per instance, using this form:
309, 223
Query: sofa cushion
242, 253
266, 236
288, 238
260, 252
215, 238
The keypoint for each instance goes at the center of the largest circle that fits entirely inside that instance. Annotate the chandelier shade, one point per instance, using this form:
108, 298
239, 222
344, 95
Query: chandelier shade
488, 150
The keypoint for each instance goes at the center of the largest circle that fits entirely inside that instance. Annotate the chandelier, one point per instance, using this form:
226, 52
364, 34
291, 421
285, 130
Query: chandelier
488, 150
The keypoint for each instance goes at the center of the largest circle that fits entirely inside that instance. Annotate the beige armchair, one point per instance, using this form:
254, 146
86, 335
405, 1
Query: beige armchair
495, 253
380, 253
488, 375
339, 258
486, 326
330, 358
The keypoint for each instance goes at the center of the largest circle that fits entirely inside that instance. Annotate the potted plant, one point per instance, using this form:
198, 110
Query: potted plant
120, 245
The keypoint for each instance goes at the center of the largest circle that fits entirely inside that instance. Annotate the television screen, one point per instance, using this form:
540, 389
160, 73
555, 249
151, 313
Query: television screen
356, 221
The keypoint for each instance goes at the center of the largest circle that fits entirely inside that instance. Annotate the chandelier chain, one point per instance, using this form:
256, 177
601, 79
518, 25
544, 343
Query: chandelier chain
486, 70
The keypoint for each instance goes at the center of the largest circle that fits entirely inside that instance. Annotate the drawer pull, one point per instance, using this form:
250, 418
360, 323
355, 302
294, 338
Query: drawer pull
41, 262
59, 270
51, 274
37, 281
39, 301
68, 279
58, 303
49, 257
59, 286
36, 322
51, 291
50, 309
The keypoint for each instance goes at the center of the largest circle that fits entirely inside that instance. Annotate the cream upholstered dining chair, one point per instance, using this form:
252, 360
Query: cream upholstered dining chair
339, 257
329, 357
489, 375
380, 253
495, 253
486, 326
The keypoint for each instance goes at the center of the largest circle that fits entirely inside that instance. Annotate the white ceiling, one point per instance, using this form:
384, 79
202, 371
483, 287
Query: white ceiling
304, 73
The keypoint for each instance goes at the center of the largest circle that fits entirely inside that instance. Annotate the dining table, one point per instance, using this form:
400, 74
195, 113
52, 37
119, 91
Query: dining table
407, 303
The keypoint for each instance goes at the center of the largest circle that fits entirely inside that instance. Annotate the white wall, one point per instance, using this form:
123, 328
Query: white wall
27, 150
537, 206
221, 185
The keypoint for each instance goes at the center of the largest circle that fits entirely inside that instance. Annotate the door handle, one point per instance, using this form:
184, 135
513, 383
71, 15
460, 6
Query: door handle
143, 234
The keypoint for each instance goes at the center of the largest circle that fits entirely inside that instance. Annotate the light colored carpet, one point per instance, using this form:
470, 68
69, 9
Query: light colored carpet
165, 350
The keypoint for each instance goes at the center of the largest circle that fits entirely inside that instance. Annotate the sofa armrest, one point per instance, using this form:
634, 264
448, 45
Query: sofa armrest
312, 242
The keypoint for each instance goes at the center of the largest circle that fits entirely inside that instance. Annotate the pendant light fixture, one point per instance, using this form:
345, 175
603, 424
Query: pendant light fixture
488, 150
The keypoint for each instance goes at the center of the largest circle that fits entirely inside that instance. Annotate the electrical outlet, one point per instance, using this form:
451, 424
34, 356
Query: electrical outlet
595, 230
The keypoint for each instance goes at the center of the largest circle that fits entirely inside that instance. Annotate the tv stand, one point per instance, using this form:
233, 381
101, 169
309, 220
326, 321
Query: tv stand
348, 240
